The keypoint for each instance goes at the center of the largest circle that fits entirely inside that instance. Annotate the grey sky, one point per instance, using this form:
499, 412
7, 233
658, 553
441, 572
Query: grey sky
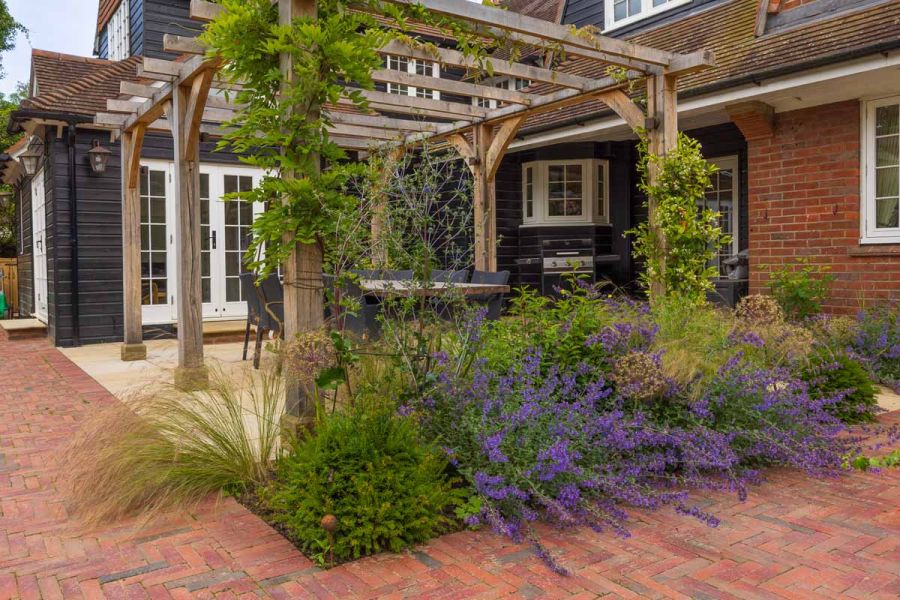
57, 25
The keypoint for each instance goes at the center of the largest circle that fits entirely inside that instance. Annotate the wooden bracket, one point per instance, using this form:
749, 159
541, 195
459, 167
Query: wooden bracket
193, 117
133, 168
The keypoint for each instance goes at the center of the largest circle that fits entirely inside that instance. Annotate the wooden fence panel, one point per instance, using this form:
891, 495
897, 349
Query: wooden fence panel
10, 282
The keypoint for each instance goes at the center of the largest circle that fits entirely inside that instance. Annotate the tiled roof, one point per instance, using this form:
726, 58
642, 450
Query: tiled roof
105, 12
75, 84
729, 30
548, 10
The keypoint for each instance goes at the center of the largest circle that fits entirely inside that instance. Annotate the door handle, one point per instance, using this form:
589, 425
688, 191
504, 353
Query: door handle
213, 239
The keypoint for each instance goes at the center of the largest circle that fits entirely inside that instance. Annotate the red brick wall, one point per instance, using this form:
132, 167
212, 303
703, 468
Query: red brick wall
804, 202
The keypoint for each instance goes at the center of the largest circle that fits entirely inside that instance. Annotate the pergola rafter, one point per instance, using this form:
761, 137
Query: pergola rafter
186, 97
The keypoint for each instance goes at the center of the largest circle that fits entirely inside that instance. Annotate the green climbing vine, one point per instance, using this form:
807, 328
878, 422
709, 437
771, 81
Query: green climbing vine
280, 126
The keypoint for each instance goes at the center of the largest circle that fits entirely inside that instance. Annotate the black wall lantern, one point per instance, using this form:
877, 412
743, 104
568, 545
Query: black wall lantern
31, 158
99, 156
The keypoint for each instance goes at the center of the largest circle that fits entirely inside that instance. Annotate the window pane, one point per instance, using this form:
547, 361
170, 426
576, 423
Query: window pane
557, 208
204, 185
887, 120
573, 172
557, 190
601, 190
529, 209
245, 209
233, 264
620, 10
556, 173
157, 210
157, 183
145, 210
573, 207
233, 290
231, 184
886, 182
145, 237
887, 151
726, 180
573, 190
886, 213
634, 7
158, 237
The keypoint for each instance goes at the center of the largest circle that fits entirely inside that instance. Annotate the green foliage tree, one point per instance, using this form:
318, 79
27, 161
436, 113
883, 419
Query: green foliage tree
9, 27
8, 103
692, 234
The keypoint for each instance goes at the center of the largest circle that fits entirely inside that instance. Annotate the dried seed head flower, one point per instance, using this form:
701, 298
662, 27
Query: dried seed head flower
639, 375
759, 310
307, 355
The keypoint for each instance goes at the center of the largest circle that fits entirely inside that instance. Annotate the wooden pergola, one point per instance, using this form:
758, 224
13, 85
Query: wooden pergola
184, 97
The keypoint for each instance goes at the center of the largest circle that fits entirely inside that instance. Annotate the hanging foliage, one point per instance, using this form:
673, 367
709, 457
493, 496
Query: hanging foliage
280, 126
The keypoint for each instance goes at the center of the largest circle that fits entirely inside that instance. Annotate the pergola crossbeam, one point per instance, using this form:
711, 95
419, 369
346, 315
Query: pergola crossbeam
187, 99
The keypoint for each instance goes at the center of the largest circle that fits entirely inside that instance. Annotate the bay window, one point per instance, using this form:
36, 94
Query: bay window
880, 208
565, 191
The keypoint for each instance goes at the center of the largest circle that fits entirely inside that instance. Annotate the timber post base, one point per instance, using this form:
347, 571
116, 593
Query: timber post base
191, 379
134, 352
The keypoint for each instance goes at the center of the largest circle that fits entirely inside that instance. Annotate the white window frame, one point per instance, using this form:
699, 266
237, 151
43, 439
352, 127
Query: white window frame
411, 68
869, 234
506, 83
118, 33
594, 198
647, 10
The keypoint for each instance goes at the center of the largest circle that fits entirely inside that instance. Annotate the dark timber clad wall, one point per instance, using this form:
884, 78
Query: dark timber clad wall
99, 236
590, 12
166, 16
136, 26
626, 203
26, 248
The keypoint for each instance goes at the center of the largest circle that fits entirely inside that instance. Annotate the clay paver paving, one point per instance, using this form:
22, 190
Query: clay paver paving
795, 537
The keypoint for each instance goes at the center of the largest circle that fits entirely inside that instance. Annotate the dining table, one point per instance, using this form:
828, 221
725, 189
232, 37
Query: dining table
386, 288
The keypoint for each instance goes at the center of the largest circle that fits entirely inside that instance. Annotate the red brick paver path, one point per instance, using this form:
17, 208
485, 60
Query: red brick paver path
794, 538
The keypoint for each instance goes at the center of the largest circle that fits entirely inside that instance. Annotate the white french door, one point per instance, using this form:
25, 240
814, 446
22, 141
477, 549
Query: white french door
722, 197
39, 245
224, 236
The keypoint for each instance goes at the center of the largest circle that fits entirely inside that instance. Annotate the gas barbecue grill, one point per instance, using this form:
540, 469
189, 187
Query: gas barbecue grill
560, 257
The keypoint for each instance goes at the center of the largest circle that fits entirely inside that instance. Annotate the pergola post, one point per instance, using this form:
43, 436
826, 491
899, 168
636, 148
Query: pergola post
304, 308
662, 133
188, 102
484, 158
379, 209
133, 347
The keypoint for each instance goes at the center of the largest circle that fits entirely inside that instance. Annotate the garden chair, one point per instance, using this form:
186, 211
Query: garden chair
493, 302
365, 321
265, 310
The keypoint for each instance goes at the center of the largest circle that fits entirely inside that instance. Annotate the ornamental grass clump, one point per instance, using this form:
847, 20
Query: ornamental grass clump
164, 448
